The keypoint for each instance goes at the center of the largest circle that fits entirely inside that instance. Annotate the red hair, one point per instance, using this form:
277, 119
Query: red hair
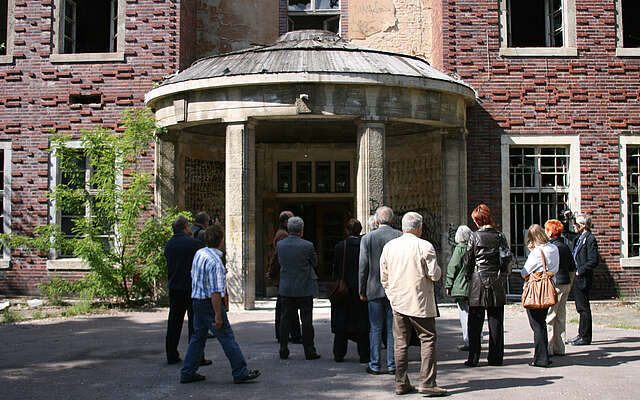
482, 215
554, 227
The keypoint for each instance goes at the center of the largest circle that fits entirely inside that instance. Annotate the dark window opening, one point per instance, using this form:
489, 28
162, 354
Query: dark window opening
535, 23
323, 22
633, 200
323, 177
285, 177
85, 99
4, 26
303, 177
343, 177
630, 25
89, 27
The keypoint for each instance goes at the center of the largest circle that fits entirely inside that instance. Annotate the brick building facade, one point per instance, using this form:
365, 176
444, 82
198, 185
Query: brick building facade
556, 125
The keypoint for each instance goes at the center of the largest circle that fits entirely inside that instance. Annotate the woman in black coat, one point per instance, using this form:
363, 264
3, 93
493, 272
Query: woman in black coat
486, 287
350, 320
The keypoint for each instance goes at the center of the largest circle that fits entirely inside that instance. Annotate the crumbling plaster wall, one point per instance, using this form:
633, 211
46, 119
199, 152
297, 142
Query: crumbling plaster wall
402, 26
228, 25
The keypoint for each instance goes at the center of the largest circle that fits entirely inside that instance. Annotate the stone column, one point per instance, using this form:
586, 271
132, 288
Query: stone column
240, 214
370, 175
454, 184
165, 192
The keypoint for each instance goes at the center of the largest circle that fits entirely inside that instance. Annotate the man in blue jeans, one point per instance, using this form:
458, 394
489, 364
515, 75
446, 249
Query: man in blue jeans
208, 276
371, 289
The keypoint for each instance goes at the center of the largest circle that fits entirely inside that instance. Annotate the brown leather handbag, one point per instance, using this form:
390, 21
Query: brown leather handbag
339, 291
539, 291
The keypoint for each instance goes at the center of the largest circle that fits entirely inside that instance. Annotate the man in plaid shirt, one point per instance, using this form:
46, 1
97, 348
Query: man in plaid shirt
208, 276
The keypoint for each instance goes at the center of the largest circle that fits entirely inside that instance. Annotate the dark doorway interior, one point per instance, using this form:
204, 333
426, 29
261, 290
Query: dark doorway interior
324, 223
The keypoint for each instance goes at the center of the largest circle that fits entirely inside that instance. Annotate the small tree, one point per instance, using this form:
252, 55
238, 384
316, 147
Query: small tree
104, 187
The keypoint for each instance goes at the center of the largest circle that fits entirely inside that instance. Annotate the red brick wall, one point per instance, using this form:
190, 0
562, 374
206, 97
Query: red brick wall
595, 95
34, 96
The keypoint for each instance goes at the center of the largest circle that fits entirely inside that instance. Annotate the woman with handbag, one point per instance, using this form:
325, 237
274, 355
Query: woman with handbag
485, 269
349, 315
543, 257
457, 284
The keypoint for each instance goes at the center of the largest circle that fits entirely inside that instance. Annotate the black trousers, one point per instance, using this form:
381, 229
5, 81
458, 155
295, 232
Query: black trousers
294, 333
496, 334
341, 341
290, 307
179, 303
538, 323
583, 307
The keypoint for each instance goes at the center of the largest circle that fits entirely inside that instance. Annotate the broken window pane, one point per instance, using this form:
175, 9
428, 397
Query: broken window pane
327, 4
299, 5
88, 27
630, 25
535, 23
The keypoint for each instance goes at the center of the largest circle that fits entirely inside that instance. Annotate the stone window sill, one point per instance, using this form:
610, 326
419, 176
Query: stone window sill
538, 51
86, 57
627, 52
632, 262
5, 263
67, 264
6, 59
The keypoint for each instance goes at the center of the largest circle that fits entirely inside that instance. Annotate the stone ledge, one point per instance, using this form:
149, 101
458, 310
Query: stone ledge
70, 264
6, 59
5, 263
627, 52
86, 57
633, 262
538, 51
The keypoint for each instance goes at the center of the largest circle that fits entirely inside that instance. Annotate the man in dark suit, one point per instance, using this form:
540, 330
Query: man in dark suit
179, 253
371, 289
298, 285
200, 224
587, 258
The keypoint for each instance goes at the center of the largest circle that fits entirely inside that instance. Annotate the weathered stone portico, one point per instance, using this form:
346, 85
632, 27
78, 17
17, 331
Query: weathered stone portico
316, 123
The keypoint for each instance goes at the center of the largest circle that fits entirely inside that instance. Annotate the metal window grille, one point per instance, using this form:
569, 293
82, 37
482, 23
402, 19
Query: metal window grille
633, 200
539, 186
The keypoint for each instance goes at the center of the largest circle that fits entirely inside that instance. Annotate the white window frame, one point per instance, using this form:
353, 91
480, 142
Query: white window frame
5, 258
507, 141
8, 57
568, 48
625, 261
116, 29
620, 50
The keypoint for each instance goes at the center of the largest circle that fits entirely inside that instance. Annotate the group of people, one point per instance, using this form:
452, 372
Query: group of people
390, 276
478, 267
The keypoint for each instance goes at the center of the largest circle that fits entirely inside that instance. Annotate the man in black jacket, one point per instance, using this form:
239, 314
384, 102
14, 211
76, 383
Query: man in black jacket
587, 258
179, 253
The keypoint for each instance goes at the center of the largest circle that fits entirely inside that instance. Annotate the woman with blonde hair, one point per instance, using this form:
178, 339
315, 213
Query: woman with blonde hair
457, 284
543, 255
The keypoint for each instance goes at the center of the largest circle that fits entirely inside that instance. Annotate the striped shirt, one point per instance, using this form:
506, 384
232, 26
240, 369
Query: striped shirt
208, 274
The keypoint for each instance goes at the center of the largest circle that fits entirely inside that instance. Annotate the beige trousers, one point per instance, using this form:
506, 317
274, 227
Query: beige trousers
557, 319
402, 331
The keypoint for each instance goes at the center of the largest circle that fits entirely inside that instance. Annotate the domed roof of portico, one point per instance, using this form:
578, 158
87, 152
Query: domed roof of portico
310, 56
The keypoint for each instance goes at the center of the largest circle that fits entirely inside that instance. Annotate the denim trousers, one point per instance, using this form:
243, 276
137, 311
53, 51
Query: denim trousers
379, 312
203, 319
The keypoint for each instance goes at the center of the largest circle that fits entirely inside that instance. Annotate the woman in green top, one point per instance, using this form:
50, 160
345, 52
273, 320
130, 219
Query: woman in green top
457, 283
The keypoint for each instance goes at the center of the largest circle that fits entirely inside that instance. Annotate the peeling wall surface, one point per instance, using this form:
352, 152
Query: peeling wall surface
401, 26
229, 25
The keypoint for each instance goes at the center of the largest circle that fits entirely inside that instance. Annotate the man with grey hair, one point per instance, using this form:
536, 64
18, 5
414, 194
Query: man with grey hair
586, 255
298, 285
371, 289
408, 270
371, 223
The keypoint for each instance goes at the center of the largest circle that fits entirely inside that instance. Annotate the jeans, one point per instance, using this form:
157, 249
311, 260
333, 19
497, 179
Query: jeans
379, 312
537, 321
463, 311
203, 319
426, 329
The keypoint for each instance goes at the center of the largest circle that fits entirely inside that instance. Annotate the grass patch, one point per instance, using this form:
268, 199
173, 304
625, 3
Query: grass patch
623, 326
82, 307
574, 321
10, 315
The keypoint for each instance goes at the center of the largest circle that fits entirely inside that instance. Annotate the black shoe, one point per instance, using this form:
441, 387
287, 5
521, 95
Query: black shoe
194, 378
253, 374
391, 372
495, 363
177, 360
284, 354
463, 347
373, 371
205, 362
534, 364
364, 360
471, 364
338, 359
581, 342
313, 356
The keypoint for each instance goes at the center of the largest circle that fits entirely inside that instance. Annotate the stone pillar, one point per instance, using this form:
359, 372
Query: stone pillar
370, 175
165, 192
240, 214
454, 184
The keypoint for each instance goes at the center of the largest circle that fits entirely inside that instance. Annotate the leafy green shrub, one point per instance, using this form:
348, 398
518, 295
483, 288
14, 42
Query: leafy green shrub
9, 315
56, 289
83, 306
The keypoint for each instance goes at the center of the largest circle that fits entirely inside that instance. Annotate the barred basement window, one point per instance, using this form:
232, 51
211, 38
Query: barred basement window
633, 201
314, 14
539, 189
